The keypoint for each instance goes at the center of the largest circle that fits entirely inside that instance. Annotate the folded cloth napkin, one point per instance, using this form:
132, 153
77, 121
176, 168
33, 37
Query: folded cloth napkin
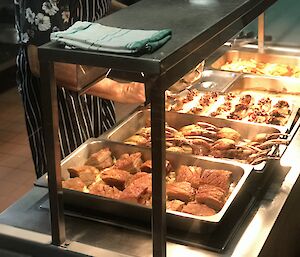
94, 36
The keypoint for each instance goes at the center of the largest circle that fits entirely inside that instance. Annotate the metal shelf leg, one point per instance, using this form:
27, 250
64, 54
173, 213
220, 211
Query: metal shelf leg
158, 170
50, 125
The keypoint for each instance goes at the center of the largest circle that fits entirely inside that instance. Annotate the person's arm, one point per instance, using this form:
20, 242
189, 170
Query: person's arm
116, 5
132, 92
106, 88
64, 72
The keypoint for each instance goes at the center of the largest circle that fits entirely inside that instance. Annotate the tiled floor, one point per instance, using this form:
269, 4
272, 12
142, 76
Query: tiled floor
16, 168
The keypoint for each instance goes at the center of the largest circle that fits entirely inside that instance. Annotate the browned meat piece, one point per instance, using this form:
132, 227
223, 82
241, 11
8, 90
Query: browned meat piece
181, 191
240, 112
265, 104
138, 189
136, 140
223, 144
234, 116
276, 113
258, 116
131, 163
229, 133
195, 208
230, 96
134, 194
143, 181
75, 171
204, 101
226, 107
217, 153
89, 176
148, 202
276, 120
115, 177
238, 153
178, 106
197, 130
281, 104
208, 98
246, 100
191, 94
189, 174
276, 117
135, 177
196, 110
176, 149
240, 108
213, 95
147, 167
219, 178
101, 159
174, 205
199, 146
214, 114
99, 188
145, 131
212, 196
74, 184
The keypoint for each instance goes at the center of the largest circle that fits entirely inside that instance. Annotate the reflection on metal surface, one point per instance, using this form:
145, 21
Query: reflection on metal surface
215, 79
24, 234
251, 233
204, 2
208, 84
176, 250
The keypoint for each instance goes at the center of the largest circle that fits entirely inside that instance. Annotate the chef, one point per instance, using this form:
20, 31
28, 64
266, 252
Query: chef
80, 116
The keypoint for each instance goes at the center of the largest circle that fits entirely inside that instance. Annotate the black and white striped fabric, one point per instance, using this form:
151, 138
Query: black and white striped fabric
80, 117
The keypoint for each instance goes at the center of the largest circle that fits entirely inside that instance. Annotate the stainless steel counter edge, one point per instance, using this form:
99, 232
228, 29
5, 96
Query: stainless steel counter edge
46, 240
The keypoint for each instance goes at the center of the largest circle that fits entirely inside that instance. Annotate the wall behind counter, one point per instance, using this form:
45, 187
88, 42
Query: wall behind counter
282, 22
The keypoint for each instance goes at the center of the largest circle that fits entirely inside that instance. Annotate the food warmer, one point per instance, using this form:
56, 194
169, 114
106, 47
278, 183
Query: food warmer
252, 209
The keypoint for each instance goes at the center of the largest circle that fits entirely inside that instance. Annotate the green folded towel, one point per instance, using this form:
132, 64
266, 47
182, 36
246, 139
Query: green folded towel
94, 36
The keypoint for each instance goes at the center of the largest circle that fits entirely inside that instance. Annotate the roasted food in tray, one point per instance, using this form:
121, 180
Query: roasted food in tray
205, 139
189, 188
262, 68
252, 107
190, 100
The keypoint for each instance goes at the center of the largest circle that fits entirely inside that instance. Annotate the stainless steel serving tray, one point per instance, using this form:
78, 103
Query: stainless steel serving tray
214, 80
176, 220
281, 87
234, 55
275, 87
176, 120
211, 80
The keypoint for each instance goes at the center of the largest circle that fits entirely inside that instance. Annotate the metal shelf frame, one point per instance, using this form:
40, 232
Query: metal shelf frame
199, 28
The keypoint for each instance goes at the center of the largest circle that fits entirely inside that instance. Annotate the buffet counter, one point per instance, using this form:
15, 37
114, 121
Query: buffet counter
250, 144
27, 220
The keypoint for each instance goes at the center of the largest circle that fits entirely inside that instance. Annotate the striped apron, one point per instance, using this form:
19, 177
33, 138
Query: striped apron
80, 117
